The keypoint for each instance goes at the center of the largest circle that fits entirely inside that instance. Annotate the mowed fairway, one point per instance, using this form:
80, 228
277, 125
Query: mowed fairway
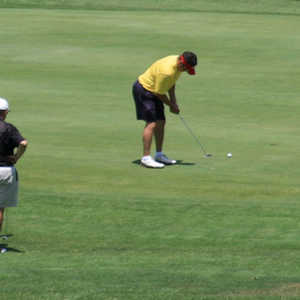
93, 224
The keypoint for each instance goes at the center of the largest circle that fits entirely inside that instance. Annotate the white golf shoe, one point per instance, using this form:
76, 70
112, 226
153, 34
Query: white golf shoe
162, 158
149, 162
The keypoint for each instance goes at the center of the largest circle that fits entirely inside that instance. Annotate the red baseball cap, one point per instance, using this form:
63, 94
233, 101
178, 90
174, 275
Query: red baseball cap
190, 68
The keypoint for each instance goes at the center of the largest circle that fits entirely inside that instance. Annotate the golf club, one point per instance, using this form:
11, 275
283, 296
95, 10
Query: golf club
197, 140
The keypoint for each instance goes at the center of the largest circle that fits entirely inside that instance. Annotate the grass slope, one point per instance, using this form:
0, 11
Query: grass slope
91, 223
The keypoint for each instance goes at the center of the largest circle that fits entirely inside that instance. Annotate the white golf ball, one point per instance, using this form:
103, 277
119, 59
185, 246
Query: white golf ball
3, 250
229, 155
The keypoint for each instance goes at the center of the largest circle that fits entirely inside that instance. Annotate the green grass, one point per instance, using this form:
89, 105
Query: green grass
91, 223
291, 7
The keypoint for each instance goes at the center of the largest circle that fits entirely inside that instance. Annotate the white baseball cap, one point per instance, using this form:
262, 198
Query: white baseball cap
4, 104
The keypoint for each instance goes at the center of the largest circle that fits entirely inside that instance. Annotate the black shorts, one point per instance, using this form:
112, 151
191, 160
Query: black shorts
148, 107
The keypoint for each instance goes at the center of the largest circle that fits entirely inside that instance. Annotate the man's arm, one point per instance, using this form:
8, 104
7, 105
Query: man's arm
172, 94
171, 102
20, 151
163, 98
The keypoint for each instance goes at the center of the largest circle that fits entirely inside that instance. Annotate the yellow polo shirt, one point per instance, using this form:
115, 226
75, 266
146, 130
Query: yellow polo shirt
161, 75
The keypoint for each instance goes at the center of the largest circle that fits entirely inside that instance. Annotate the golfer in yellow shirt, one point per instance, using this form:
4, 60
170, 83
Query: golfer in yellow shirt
154, 89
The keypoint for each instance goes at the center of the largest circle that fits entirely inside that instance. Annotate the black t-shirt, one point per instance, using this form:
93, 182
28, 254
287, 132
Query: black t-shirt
10, 138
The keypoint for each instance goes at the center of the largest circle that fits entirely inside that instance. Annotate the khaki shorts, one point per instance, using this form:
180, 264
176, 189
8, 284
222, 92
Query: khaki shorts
8, 187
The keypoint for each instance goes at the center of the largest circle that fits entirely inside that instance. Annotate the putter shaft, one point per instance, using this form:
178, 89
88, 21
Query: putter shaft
194, 136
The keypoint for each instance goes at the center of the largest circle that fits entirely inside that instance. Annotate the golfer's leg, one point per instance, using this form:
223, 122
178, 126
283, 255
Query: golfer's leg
159, 134
1, 217
147, 137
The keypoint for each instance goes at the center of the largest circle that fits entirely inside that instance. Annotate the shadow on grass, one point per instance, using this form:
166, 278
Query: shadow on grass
5, 236
5, 246
179, 162
10, 249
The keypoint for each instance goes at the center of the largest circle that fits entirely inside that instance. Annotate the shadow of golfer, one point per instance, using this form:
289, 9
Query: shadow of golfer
10, 249
178, 162
182, 163
6, 236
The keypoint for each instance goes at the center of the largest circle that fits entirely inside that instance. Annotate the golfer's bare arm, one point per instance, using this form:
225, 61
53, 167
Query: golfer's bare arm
163, 98
167, 100
20, 150
170, 101
172, 94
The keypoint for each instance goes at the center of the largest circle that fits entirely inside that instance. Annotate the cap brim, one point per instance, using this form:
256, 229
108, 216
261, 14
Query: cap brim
191, 71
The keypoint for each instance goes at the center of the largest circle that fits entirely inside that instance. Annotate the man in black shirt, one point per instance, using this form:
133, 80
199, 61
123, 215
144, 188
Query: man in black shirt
12, 147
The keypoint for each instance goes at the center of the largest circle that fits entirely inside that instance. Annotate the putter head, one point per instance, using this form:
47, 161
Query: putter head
208, 155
